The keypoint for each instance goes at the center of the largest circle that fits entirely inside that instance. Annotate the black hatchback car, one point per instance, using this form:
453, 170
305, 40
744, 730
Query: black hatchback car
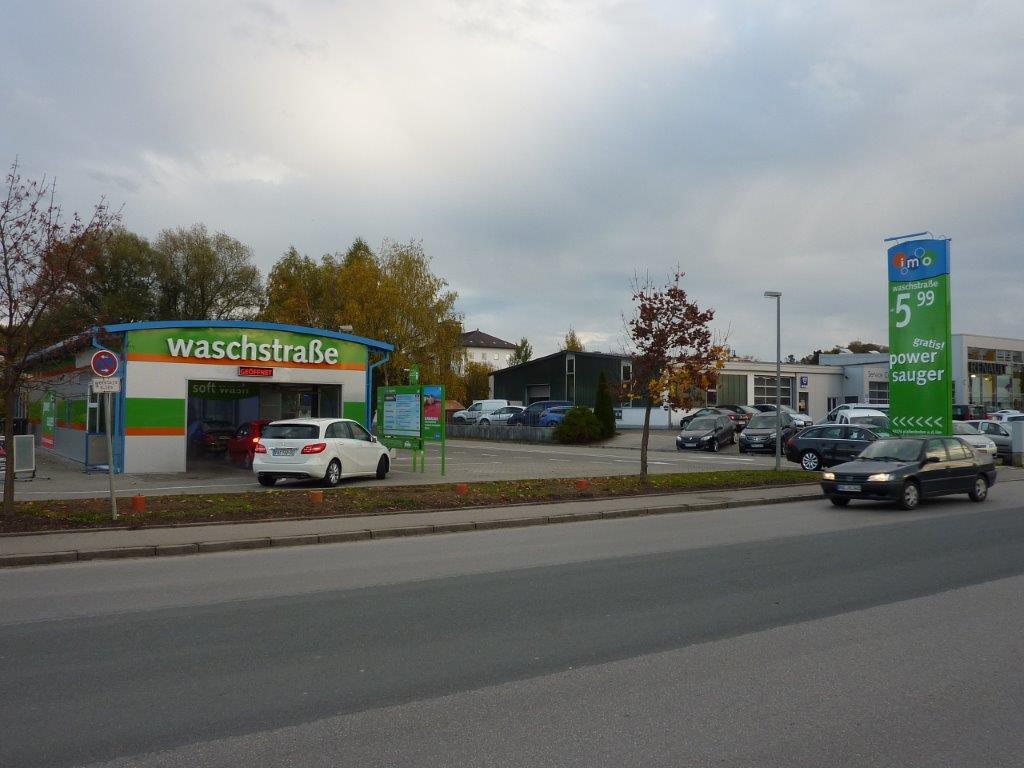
708, 433
530, 417
760, 432
908, 469
827, 444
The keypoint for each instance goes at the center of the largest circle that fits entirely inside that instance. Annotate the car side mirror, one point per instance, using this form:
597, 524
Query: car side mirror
932, 460
373, 438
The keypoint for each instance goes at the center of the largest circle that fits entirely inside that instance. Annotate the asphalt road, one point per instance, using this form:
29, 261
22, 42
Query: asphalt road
790, 635
466, 461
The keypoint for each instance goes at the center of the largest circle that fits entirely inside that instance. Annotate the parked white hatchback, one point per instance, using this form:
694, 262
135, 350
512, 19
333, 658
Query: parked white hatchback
318, 449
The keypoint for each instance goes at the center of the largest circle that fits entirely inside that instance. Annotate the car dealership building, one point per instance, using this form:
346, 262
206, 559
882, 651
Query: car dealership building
177, 374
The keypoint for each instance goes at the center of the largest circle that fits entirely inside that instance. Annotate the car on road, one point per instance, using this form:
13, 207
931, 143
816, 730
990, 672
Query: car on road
477, 410
826, 444
553, 416
530, 415
318, 449
707, 411
973, 437
242, 446
708, 433
908, 469
998, 433
500, 416
759, 434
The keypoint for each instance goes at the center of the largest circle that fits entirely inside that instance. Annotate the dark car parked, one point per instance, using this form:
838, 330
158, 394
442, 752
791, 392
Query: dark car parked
709, 433
908, 469
827, 444
209, 436
760, 432
740, 414
530, 417
702, 412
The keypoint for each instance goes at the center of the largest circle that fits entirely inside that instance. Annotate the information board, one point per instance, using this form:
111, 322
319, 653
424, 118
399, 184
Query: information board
433, 412
400, 414
920, 370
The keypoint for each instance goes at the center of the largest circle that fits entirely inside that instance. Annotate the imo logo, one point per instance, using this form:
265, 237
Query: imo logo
920, 258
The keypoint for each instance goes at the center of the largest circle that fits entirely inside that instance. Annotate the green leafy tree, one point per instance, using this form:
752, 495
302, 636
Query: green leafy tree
121, 284
476, 381
205, 276
579, 425
523, 353
604, 407
571, 342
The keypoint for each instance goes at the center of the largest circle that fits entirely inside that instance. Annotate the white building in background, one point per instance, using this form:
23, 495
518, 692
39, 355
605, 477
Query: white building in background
489, 350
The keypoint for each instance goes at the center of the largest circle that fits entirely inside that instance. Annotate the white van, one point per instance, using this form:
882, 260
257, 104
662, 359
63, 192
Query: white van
479, 407
833, 415
864, 417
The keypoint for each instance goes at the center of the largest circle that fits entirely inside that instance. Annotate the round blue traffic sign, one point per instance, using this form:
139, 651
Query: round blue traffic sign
104, 363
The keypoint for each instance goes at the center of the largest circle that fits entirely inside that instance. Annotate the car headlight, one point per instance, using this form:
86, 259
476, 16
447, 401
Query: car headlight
706, 437
771, 436
828, 475
881, 477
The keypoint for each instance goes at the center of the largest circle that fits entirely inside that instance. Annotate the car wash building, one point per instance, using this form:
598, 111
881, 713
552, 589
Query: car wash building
177, 376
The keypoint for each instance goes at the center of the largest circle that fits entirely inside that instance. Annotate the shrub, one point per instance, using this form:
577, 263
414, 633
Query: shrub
580, 425
604, 409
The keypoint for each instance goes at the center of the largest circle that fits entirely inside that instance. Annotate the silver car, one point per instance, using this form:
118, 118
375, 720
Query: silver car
500, 416
998, 433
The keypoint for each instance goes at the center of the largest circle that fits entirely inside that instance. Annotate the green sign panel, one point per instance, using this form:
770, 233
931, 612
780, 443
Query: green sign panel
433, 412
920, 369
400, 417
222, 390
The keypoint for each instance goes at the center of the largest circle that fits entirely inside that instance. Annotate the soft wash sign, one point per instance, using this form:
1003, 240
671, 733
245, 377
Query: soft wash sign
920, 371
230, 346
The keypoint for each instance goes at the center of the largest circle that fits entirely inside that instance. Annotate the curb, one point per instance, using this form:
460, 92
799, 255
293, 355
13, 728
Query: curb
231, 545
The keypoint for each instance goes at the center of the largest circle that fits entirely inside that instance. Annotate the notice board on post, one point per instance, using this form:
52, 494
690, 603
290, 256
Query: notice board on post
400, 410
920, 338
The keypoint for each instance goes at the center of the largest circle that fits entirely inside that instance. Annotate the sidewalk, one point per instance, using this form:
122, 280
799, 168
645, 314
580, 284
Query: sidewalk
72, 546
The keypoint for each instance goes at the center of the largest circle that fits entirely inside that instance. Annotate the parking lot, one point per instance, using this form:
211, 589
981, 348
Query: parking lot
466, 461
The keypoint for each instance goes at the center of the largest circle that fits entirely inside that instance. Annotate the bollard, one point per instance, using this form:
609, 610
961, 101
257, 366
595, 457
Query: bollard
461, 488
581, 484
317, 497
139, 504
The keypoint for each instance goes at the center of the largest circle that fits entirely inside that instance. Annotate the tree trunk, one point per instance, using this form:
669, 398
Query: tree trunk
643, 443
10, 401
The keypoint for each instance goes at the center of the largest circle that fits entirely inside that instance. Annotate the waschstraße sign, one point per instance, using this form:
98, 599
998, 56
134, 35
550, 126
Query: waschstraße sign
920, 371
230, 346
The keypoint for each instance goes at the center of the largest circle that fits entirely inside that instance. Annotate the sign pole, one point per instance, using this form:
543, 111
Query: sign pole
110, 455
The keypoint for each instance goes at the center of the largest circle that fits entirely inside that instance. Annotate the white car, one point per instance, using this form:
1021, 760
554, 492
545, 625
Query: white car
318, 449
472, 414
833, 415
863, 417
1007, 414
500, 416
984, 445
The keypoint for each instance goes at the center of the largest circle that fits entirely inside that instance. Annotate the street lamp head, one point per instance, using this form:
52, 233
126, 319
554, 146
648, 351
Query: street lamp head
772, 294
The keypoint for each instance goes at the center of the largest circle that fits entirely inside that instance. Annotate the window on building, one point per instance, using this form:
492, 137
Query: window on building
764, 390
712, 397
570, 364
878, 391
96, 413
626, 373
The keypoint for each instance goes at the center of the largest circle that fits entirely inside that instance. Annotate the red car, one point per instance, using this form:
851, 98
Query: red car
243, 444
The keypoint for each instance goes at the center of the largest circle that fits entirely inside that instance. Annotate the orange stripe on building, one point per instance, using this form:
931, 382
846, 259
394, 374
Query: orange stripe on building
154, 431
139, 357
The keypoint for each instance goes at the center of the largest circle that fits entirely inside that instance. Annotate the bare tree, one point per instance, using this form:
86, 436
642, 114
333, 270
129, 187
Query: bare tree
43, 262
675, 354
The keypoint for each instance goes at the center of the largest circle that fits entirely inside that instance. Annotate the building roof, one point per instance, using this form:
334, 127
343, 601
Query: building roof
478, 338
563, 352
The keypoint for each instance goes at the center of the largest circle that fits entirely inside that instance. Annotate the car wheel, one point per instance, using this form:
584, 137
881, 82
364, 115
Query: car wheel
459, 420
910, 497
980, 490
266, 480
839, 501
333, 474
810, 461
382, 467
485, 422
714, 445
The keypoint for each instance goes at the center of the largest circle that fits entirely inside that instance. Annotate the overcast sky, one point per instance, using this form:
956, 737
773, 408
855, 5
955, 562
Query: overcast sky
545, 151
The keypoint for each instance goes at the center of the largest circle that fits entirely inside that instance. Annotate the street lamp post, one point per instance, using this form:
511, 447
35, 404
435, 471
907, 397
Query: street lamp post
777, 295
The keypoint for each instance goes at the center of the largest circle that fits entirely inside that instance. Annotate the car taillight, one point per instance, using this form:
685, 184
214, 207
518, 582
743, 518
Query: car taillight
790, 442
255, 439
314, 448
259, 447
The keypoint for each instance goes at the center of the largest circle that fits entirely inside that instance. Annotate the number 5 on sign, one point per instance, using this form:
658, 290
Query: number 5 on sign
903, 310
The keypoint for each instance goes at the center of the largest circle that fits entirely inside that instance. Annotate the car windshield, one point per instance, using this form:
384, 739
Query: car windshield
962, 428
291, 432
764, 421
871, 421
892, 450
702, 424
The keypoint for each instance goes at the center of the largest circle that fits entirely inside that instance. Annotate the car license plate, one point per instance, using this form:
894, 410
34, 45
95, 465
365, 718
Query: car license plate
282, 451
848, 488
755, 441
690, 445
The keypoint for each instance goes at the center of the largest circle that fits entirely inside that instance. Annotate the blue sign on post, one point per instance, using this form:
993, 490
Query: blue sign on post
104, 363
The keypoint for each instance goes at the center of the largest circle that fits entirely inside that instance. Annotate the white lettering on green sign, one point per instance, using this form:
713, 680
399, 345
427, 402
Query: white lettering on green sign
271, 352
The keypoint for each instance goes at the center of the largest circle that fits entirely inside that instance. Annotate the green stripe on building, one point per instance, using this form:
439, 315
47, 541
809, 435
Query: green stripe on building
354, 411
143, 412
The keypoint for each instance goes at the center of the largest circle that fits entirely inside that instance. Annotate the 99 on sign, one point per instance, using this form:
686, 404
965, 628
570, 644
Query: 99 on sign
903, 305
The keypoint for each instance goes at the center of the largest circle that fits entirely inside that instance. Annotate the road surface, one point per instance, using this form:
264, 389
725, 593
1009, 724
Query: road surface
792, 635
